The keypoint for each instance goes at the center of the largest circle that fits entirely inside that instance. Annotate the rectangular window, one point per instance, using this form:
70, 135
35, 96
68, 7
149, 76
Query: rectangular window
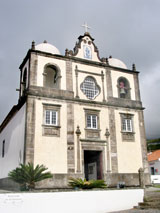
51, 117
126, 125
3, 149
51, 120
92, 121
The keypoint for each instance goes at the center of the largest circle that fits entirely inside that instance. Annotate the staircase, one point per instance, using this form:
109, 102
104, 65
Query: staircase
151, 200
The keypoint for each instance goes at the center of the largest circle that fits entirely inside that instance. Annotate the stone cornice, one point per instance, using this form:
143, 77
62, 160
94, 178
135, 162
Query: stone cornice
76, 60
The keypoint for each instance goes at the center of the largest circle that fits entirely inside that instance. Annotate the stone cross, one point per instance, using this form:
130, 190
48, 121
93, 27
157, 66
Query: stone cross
86, 27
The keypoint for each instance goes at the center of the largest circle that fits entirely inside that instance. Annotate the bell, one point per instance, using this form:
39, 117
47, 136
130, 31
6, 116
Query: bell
122, 91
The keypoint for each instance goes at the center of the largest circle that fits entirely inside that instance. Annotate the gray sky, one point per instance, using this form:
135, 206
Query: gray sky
126, 29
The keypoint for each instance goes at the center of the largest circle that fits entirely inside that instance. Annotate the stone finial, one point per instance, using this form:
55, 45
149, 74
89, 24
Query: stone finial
33, 45
110, 56
45, 41
78, 132
133, 67
103, 60
66, 52
107, 62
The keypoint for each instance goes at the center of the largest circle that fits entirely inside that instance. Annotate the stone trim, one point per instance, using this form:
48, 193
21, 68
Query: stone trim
90, 73
113, 141
69, 77
92, 133
70, 138
33, 63
130, 179
109, 83
92, 140
51, 130
76, 60
143, 142
95, 147
69, 96
30, 130
77, 86
103, 90
127, 136
136, 86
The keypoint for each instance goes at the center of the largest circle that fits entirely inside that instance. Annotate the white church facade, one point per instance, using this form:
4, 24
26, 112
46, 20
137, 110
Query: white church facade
78, 114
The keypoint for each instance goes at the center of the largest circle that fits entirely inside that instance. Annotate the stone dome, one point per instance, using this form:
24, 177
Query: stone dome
116, 63
48, 48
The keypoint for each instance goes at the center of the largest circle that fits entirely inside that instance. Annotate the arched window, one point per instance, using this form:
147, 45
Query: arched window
51, 76
90, 88
24, 80
123, 88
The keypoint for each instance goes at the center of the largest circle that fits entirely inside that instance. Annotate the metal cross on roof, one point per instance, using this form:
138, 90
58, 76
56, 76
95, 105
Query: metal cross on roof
86, 27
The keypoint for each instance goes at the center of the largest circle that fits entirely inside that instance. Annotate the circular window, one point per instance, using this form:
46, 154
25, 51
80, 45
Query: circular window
90, 88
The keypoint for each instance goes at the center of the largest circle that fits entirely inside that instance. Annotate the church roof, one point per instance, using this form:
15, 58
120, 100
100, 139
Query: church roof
46, 47
154, 155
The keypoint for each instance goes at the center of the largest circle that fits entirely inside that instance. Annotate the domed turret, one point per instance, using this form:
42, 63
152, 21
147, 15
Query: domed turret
116, 63
48, 48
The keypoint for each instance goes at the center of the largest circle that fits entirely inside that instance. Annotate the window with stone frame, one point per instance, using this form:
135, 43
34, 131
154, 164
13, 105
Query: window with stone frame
127, 128
51, 120
92, 123
51, 77
123, 88
90, 87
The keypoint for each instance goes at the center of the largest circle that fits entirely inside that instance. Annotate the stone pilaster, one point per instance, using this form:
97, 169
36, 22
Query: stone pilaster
109, 83
33, 69
76, 72
29, 131
136, 85
143, 142
69, 80
70, 138
113, 141
102, 77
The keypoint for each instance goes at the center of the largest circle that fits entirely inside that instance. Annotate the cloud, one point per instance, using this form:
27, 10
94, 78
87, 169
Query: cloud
127, 30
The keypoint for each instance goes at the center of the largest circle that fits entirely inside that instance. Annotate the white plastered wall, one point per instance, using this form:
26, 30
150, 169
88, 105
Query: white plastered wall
115, 75
42, 61
82, 76
13, 134
80, 121
49, 150
129, 153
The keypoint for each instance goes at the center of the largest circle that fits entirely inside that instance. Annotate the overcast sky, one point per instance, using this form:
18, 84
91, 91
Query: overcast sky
126, 29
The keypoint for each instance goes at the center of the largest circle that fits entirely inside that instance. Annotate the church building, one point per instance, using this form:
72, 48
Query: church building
78, 114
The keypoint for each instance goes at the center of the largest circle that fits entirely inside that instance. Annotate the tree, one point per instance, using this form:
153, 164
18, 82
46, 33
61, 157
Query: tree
27, 175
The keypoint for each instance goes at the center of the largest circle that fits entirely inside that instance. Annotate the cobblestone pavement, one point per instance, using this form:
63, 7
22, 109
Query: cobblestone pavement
150, 190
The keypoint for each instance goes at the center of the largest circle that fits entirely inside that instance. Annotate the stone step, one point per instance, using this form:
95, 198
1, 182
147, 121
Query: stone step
155, 203
152, 199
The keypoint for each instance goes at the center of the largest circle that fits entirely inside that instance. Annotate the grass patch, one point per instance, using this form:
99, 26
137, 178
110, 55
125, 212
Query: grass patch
156, 185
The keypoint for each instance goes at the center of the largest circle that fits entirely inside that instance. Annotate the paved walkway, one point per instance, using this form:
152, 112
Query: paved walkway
150, 190
139, 211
